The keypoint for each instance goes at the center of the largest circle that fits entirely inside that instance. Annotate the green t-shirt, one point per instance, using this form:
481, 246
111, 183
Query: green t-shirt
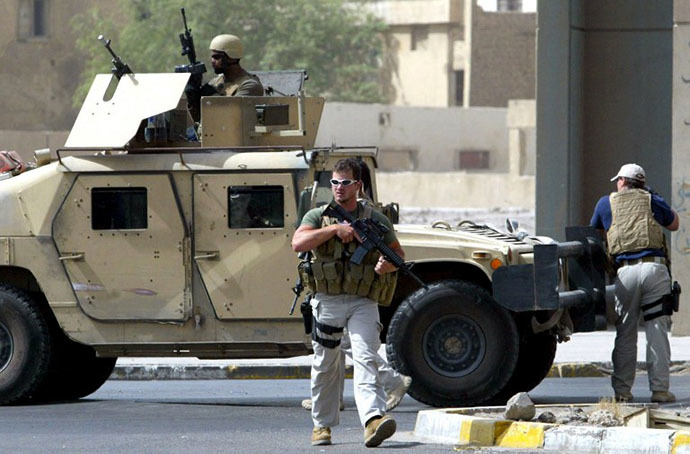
313, 219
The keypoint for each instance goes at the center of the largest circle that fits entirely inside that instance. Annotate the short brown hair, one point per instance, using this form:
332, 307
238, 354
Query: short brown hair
349, 164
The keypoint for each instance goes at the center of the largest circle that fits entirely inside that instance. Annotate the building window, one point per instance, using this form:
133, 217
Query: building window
459, 87
419, 37
395, 159
119, 209
256, 207
33, 19
472, 160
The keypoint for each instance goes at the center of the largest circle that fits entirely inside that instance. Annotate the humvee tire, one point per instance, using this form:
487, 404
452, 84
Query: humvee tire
75, 372
535, 359
25, 346
458, 345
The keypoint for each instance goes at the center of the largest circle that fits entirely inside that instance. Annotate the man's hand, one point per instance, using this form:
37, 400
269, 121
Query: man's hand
346, 233
383, 266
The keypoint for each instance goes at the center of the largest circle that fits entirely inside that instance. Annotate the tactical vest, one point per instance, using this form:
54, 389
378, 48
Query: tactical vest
229, 89
333, 274
633, 227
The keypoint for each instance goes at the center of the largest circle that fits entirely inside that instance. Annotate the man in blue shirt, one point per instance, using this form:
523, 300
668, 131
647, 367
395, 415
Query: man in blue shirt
633, 218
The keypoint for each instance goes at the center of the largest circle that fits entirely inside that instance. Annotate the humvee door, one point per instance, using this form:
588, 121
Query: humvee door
243, 226
121, 239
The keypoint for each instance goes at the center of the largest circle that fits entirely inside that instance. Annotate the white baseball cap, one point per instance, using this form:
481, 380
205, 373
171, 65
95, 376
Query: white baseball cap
632, 171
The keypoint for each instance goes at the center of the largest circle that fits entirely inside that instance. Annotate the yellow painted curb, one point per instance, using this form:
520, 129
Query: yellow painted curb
502, 433
681, 443
520, 435
477, 432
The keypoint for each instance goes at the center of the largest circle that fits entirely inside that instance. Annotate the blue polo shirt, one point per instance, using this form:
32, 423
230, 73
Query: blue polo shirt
601, 219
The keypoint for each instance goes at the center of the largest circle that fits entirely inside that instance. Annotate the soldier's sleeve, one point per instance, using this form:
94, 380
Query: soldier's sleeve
312, 218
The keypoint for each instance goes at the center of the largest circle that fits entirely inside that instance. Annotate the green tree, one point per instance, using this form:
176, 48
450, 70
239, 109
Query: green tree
338, 42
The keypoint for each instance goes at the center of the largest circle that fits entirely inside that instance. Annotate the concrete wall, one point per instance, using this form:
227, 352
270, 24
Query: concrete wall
434, 134
680, 174
26, 142
38, 75
456, 189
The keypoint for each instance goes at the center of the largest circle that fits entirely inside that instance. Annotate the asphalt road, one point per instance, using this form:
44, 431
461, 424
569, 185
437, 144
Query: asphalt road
233, 416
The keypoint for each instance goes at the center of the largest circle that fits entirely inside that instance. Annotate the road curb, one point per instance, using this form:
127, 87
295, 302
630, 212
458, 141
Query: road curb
447, 426
206, 372
292, 371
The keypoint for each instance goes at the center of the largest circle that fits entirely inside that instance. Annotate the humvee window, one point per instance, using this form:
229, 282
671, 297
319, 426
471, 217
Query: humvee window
255, 207
118, 208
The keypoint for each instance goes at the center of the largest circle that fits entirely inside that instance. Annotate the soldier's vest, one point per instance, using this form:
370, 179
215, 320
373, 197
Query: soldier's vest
229, 89
633, 227
333, 274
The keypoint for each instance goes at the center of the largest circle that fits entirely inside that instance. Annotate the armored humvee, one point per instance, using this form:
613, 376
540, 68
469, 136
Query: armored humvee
142, 239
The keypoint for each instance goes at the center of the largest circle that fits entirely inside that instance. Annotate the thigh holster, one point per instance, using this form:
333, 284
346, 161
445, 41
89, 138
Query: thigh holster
662, 306
319, 329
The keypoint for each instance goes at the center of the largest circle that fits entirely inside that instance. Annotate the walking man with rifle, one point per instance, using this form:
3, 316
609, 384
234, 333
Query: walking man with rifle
347, 280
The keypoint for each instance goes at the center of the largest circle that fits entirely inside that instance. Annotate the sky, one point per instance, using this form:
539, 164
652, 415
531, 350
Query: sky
528, 6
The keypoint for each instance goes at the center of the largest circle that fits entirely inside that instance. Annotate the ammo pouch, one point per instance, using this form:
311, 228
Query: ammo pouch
666, 305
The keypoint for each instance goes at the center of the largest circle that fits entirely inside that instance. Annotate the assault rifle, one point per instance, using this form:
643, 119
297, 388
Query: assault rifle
195, 67
119, 68
371, 233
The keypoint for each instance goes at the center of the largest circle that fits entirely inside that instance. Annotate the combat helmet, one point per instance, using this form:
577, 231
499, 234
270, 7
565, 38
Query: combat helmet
230, 44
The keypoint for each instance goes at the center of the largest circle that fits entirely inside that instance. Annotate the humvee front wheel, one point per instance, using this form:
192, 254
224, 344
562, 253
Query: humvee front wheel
537, 352
24, 346
458, 345
75, 372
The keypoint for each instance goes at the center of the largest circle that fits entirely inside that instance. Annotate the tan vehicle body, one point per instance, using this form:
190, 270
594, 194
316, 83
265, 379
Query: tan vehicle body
178, 278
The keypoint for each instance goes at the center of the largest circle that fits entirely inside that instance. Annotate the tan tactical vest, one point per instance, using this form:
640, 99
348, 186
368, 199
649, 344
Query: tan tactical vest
229, 89
633, 226
333, 274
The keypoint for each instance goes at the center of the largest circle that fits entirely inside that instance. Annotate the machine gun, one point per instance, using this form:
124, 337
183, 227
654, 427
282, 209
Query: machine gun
371, 233
119, 68
195, 68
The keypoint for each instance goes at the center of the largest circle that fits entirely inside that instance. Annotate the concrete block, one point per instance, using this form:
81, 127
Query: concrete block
580, 439
439, 426
624, 440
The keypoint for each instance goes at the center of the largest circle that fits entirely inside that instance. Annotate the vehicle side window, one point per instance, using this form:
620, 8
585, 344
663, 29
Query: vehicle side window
119, 209
256, 207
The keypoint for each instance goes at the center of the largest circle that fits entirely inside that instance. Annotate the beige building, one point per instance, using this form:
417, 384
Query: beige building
39, 71
445, 53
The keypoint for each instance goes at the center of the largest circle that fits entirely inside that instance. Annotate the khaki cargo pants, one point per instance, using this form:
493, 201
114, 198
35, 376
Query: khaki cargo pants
361, 318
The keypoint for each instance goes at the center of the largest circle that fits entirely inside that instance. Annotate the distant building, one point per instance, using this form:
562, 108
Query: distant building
445, 53
39, 65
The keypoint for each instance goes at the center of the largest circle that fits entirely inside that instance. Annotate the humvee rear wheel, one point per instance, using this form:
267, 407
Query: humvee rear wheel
24, 346
458, 345
537, 353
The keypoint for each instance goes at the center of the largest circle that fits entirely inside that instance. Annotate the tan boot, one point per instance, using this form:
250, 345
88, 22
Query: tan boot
624, 397
377, 430
321, 436
663, 397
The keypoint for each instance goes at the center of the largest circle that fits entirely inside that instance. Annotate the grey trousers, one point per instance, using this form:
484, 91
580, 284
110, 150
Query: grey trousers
637, 285
361, 318
390, 378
